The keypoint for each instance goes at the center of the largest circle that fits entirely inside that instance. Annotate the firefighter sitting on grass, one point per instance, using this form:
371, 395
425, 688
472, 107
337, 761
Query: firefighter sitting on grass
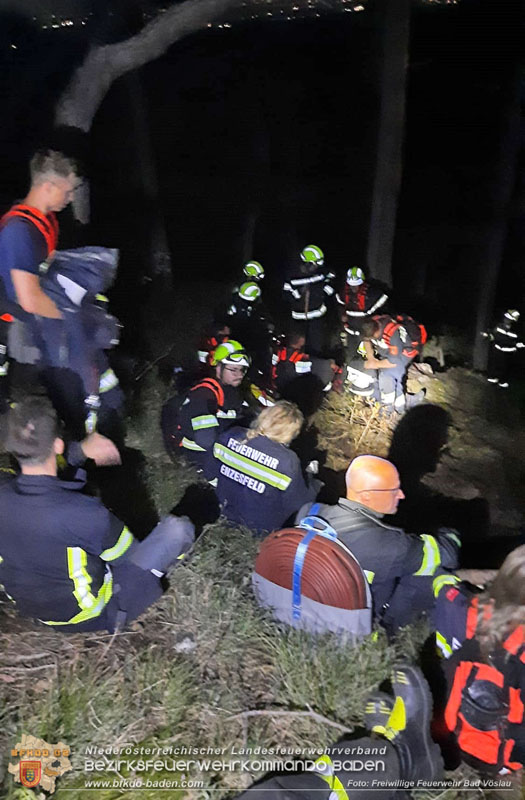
191, 425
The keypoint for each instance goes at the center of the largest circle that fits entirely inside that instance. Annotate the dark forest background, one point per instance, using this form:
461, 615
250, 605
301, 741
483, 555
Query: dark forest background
255, 140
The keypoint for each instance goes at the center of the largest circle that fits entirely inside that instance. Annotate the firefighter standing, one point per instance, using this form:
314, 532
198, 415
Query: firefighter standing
251, 323
390, 345
191, 425
307, 291
505, 342
360, 299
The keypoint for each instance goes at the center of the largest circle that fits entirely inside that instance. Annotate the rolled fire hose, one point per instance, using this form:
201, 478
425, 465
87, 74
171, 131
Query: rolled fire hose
330, 575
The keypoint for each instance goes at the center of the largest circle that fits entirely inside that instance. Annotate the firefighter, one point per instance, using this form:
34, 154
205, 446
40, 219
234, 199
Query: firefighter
28, 240
482, 636
408, 757
251, 323
219, 333
290, 363
260, 481
504, 343
390, 345
64, 558
289, 360
360, 299
399, 566
191, 425
253, 271
307, 290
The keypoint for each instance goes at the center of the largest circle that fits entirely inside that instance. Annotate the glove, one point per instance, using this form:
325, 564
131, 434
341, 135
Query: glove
449, 542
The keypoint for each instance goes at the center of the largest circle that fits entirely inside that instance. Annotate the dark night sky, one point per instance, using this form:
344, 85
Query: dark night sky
278, 120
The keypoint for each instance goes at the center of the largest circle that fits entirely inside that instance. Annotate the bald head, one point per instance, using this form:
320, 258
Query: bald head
374, 482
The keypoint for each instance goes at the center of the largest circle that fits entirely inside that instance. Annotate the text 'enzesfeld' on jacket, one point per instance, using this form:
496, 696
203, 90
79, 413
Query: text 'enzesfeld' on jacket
307, 294
260, 482
484, 710
388, 554
194, 423
60, 556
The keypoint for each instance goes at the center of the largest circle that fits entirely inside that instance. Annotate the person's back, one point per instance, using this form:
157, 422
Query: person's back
44, 522
260, 481
65, 559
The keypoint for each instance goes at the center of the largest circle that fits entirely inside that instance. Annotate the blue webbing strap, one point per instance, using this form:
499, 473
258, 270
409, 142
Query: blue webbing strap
308, 524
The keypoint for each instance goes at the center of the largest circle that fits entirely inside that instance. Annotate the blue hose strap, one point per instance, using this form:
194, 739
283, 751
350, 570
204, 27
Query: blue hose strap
300, 554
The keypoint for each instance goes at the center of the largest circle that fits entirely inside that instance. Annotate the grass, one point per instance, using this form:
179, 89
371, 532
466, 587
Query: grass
191, 671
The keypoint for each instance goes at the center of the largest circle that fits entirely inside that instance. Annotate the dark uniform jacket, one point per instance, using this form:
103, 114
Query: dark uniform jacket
386, 554
308, 293
260, 482
56, 551
208, 409
364, 302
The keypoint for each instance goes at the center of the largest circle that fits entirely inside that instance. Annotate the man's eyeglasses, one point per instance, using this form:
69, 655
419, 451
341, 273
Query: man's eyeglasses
236, 370
395, 489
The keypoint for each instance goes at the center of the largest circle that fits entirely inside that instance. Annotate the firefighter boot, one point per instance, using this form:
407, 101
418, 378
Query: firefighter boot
408, 727
378, 707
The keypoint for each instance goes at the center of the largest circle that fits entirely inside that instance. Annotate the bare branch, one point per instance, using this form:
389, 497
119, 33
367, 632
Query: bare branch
104, 64
275, 713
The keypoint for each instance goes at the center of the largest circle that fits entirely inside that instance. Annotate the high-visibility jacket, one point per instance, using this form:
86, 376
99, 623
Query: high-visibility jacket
288, 363
60, 551
208, 347
307, 294
401, 337
385, 553
195, 423
504, 340
364, 302
484, 709
260, 482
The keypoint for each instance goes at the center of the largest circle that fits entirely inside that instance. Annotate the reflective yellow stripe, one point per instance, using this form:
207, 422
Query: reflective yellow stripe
119, 548
443, 645
251, 468
189, 444
369, 575
102, 599
204, 421
1, 559
443, 580
76, 568
108, 380
324, 768
431, 556
90, 605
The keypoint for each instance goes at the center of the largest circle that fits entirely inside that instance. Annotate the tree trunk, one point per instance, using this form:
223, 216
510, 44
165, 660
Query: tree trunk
394, 23
493, 243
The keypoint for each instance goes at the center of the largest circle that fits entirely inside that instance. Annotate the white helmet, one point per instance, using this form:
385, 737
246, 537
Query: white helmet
355, 276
